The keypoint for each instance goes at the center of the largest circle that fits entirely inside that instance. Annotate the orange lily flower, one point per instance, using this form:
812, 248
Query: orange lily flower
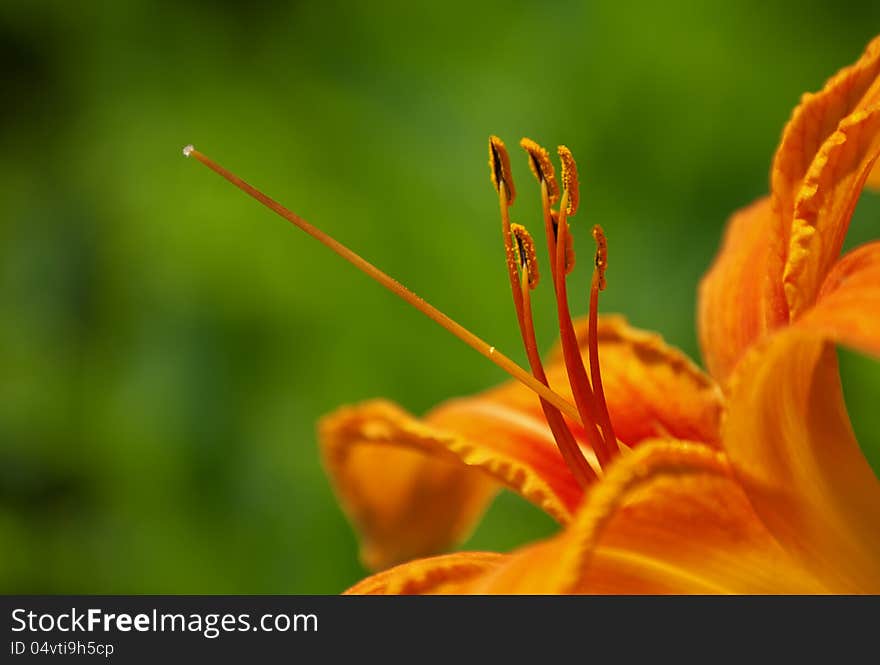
786, 502
664, 478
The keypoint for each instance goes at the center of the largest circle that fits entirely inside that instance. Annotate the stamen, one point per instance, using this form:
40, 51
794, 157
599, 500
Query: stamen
499, 164
542, 167
569, 179
562, 261
574, 363
565, 440
499, 171
525, 249
395, 287
598, 284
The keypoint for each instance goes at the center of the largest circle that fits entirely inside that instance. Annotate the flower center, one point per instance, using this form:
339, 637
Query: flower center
522, 267
590, 409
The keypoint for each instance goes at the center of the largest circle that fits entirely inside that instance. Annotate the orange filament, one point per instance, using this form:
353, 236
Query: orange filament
588, 393
517, 261
490, 352
551, 221
581, 388
559, 242
598, 284
569, 243
565, 440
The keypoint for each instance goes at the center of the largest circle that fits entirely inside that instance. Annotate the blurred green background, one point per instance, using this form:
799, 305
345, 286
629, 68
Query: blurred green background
167, 345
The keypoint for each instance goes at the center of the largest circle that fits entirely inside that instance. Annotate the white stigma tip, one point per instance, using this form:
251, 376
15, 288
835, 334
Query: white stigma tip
187, 151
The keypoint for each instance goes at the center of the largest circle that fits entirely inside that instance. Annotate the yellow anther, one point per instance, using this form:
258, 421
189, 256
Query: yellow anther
542, 167
499, 168
525, 253
569, 179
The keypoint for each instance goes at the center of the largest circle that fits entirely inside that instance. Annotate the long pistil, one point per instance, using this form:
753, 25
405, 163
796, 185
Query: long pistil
466, 336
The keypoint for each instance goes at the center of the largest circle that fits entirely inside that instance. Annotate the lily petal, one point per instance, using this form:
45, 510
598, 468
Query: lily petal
667, 518
739, 301
874, 178
847, 308
445, 574
416, 487
814, 120
789, 439
827, 151
652, 389
776, 252
825, 204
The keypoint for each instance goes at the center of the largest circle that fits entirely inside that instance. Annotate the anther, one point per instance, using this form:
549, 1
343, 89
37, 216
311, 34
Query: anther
598, 284
499, 166
569, 179
525, 249
542, 167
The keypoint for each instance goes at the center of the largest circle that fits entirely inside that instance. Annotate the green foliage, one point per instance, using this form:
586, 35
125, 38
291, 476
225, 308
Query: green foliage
166, 345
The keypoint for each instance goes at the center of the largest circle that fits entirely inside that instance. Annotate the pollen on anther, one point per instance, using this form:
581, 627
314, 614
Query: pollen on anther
499, 168
601, 254
526, 254
542, 167
569, 179
187, 150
